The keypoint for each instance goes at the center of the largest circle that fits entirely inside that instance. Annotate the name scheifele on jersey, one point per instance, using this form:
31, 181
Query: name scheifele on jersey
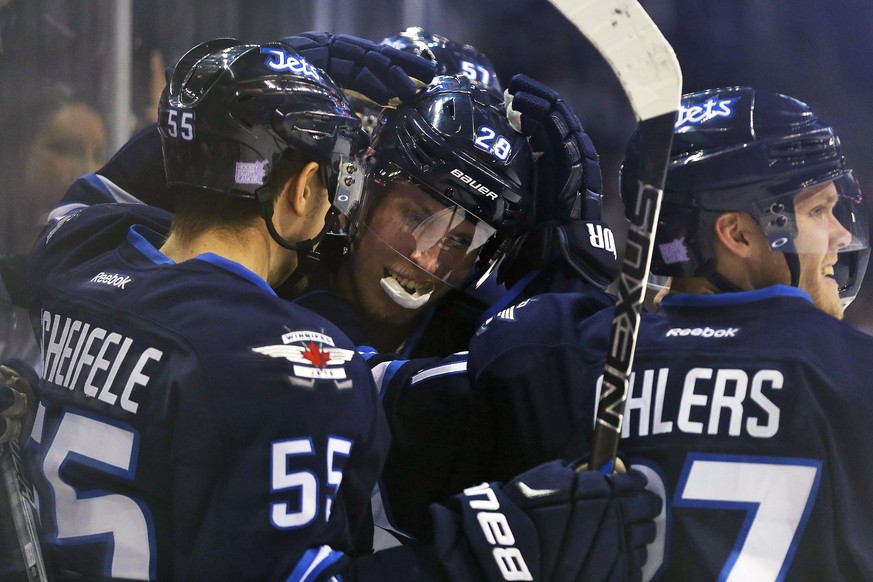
80, 356
713, 401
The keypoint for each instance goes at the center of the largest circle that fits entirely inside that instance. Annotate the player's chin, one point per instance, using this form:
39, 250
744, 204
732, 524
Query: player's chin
828, 297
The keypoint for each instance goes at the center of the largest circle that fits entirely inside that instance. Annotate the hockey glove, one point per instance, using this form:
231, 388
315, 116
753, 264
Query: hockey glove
549, 524
568, 168
568, 190
17, 401
378, 72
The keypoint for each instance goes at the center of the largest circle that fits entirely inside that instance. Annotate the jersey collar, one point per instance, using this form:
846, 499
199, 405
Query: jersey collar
737, 298
145, 240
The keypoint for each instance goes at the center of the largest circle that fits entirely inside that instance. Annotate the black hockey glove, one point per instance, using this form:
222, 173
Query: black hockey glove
376, 71
549, 524
568, 187
18, 401
568, 167
588, 247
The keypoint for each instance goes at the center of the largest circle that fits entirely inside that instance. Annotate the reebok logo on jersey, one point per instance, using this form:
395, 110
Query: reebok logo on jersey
703, 332
113, 279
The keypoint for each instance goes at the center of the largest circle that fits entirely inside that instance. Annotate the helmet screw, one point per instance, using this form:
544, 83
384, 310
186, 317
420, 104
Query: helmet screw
349, 181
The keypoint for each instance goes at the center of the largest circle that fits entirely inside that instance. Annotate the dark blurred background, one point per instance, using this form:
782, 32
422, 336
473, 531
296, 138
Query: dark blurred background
109, 53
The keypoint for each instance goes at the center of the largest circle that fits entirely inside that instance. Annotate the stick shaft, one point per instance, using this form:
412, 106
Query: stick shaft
647, 68
21, 503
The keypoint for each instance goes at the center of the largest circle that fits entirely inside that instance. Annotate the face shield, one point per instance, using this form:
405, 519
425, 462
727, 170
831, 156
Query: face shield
825, 226
421, 242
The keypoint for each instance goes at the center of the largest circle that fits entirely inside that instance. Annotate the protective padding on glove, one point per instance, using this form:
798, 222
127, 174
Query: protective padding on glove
569, 182
551, 524
18, 400
377, 72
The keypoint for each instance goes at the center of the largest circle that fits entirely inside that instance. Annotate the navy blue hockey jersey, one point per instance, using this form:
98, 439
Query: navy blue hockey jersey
191, 424
428, 405
750, 412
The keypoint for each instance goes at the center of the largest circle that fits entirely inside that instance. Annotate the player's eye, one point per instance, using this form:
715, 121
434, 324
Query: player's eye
455, 242
818, 211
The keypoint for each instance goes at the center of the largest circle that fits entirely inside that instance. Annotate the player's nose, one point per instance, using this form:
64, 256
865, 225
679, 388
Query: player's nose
428, 258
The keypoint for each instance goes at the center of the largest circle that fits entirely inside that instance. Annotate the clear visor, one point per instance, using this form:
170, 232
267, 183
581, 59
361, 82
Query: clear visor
426, 240
826, 227
826, 218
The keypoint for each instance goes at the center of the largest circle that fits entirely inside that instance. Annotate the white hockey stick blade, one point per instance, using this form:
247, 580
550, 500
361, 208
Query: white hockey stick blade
645, 64
636, 51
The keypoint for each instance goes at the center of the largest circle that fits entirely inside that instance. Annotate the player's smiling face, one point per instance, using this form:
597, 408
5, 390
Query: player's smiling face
820, 236
409, 252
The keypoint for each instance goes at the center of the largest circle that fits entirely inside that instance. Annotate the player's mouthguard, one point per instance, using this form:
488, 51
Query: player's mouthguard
402, 296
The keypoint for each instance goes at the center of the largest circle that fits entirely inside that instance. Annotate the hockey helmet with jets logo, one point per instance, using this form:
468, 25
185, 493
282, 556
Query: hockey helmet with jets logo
738, 149
231, 110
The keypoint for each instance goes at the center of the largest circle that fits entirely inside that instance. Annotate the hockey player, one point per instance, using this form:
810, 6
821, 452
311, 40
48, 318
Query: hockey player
749, 400
192, 425
455, 145
563, 247
451, 58
451, 186
567, 227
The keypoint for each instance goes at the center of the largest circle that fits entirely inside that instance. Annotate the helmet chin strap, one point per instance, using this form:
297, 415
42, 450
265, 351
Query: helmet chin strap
307, 257
793, 261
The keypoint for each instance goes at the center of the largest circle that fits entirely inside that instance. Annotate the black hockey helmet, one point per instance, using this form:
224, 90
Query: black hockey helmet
230, 111
452, 58
455, 144
738, 149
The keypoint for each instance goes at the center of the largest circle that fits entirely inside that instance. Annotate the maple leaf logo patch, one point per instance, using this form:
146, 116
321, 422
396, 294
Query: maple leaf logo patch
316, 356
313, 355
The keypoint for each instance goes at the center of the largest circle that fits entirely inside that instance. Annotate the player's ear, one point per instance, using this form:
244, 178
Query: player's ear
736, 233
301, 189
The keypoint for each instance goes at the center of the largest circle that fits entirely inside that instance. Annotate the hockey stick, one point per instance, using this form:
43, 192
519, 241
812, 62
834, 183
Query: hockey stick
22, 556
649, 72
21, 504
